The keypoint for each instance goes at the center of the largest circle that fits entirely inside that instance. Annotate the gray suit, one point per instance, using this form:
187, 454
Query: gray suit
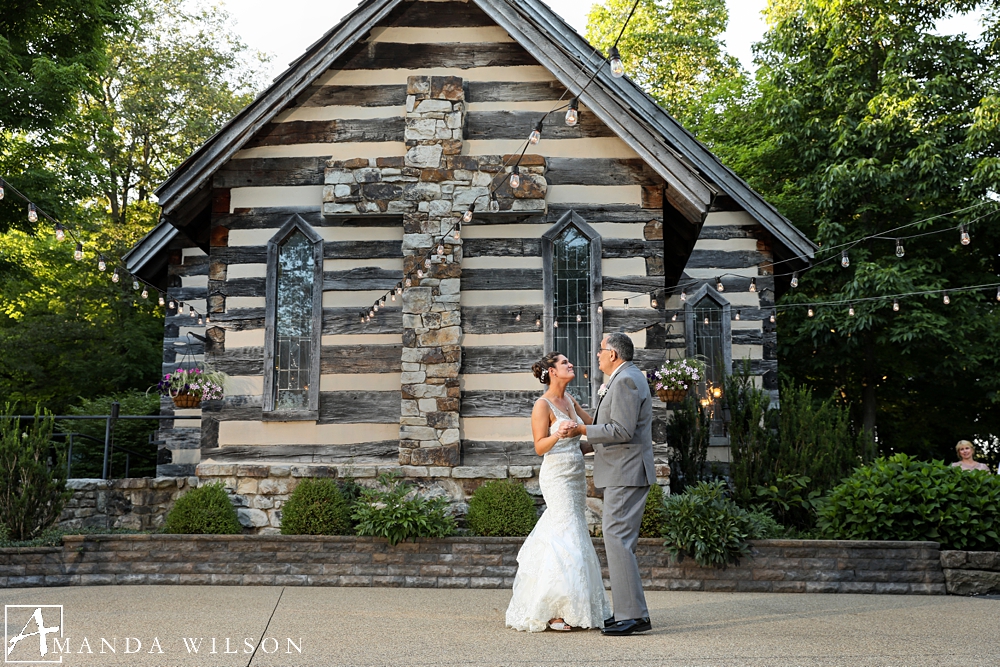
622, 438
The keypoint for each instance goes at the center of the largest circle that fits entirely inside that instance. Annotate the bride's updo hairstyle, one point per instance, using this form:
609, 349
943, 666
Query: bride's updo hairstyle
541, 368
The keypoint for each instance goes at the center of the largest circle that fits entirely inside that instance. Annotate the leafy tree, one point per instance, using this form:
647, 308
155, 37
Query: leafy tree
672, 49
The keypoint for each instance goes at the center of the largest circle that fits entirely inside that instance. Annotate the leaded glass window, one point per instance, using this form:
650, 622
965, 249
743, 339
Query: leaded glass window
571, 266
708, 343
293, 324
709, 337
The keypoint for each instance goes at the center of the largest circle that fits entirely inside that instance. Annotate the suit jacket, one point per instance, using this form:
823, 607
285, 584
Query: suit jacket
622, 432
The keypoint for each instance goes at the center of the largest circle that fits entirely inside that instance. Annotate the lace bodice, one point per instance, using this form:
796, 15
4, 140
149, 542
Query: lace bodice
564, 445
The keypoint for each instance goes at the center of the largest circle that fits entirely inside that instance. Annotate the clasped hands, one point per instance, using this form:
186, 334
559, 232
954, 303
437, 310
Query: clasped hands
568, 429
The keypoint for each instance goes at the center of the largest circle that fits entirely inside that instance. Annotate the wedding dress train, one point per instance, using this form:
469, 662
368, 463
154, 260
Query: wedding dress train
558, 573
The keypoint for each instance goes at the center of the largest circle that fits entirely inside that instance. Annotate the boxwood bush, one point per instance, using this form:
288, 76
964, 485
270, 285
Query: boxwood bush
703, 524
501, 508
900, 498
317, 507
206, 510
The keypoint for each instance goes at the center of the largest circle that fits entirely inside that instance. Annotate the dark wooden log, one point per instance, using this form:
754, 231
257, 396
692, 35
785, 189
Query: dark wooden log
395, 55
341, 130
245, 287
361, 359
591, 213
240, 255
482, 453
726, 232
441, 15
617, 318
187, 293
359, 407
633, 283
502, 247
362, 249
499, 319
599, 171
275, 217
240, 361
345, 321
483, 125
241, 319
194, 265
504, 91
499, 403
500, 359
385, 452
367, 278
615, 248
501, 279
353, 96
724, 259
259, 172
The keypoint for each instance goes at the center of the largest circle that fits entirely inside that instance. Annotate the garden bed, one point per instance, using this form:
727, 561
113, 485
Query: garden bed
781, 566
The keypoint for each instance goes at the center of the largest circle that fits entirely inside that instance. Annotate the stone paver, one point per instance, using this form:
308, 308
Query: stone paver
381, 626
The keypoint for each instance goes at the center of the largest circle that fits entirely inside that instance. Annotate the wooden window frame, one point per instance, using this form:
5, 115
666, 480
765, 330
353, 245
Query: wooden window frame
571, 217
294, 224
707, 290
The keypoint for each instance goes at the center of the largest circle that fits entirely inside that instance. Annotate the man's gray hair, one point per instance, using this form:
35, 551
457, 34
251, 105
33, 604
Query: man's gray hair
621, 344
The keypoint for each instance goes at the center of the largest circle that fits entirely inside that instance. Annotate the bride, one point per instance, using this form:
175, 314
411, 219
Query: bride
558, 582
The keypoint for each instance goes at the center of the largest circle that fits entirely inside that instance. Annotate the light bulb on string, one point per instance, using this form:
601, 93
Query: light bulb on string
517, 318
382, 302
771, 319
536, 134
538, 321
899, 248
626, 304
375, 306
200, 321
617, 68
393, 297
191, 312
1, 190
115, 277
78, 253
494, 203
420, 273
753, 284
135, 283
998, 293
719, 286
947, 299
457, 232
555, 322
684, 296
427, 263
673, 318
371, 314
101, 264
895, 305
515, 177
145, 292
579, 317
362, 318
399, 288
652, 301
159, 299
440, 249
60, 232
409, 282
32, 213
845, 261
573, 113
811, 312
706, 320
737, 316
850, 310
600, 309
964, 235
172, 305
467, 218
795, 278
208, 319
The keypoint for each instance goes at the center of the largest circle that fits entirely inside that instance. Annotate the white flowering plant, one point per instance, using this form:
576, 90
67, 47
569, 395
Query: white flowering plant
203, 385
676, 375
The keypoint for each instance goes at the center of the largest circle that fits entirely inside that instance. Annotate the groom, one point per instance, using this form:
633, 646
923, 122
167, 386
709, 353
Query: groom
622, 439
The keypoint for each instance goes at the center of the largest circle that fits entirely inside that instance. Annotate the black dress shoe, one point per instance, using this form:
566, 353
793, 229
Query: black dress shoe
629, 626
608, 622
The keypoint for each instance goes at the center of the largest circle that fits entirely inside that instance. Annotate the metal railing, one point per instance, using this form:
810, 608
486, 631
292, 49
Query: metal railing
109, 429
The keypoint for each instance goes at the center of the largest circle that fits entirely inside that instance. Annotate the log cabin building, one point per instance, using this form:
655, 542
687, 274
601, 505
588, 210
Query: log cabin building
311, 204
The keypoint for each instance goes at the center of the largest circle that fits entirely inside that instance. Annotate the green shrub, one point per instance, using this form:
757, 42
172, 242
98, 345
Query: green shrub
316, 507
501, 508
653, 515
206, 510
790, 498
900, 498
394, 511
704, 524
133, 434
687, 433
32, 483
763, 526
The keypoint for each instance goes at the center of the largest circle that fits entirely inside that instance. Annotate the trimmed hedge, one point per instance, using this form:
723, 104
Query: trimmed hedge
501, 508
316, 507
206, 510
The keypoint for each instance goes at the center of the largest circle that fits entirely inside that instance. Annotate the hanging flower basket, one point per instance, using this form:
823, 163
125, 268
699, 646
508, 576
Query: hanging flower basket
675, 378
186, 401
671, 395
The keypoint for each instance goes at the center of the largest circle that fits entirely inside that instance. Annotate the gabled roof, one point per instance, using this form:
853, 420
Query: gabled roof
693, 174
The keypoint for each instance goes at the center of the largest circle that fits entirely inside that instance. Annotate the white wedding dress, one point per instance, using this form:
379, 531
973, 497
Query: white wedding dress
558, 574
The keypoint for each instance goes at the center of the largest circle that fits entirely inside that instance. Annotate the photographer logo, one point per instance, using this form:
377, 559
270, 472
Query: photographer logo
41, 631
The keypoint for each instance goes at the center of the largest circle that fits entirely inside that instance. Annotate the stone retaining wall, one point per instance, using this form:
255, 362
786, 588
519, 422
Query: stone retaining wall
786, 566
139, 503
971, 572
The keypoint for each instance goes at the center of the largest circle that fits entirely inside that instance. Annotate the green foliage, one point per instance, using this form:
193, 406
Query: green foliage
653, 514
133, 434
687, 433
32, 482
900, 498
792, 498
53, 537
501, 508
206, 510
753, 444
702, 523
316, 507
396, 512
763, 526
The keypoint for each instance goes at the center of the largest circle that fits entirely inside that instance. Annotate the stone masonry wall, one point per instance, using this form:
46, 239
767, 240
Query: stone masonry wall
971, 572
139, 503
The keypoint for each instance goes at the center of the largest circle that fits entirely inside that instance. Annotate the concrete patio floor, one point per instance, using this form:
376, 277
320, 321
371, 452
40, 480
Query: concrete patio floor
383, 626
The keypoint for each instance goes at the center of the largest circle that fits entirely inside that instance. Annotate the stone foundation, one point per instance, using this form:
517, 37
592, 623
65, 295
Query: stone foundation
971, 572
139, 503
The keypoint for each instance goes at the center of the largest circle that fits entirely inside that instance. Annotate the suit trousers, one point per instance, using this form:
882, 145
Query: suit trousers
623, 509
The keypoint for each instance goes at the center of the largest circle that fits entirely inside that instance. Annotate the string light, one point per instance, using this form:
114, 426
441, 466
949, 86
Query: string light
515, 177
626, 304
673, 318
947, 299
998, 293
101, 264
753, 284
32, 213
795, 278
899, 248
427, 263
706, 320
420, 273
600, 309
399, 288
845, 261
652, 301
208, 319
850, 311
135, 283
362, 318
375, 306
579, 317
159, 299
440, 249
393, 297
200, 322
555, 322
191, 312
573, 113
895, 305
811, 311
536, 134
538, 321
772, 317
409, 282
172, 305
467, 218
371, 314
457, 232
1, 190
719, 286
963, 235
737, 315
382, 302
78, 253
145, 292
517, 318
684, 296
617, 68
60, 232
115, 277
494, 203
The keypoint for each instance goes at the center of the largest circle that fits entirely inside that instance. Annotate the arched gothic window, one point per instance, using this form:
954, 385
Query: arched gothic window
293, 322
571, 260
709, 337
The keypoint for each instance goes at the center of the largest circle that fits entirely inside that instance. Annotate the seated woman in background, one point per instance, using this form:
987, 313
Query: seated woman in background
965, 457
